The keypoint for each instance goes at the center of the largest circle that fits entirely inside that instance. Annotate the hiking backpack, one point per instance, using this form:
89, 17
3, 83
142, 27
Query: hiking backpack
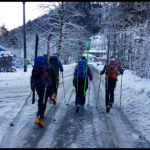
81, 69
52, 73
54, 65
38, 78
112, 71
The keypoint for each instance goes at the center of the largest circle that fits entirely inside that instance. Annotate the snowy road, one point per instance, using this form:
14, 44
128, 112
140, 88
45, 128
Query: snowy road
91, 128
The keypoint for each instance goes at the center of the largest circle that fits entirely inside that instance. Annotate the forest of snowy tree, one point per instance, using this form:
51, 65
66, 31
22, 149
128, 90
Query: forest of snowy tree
125, 25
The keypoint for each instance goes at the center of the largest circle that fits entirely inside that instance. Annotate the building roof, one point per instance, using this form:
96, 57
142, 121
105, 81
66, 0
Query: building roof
92, 56
98, 51
1, 49
5, 53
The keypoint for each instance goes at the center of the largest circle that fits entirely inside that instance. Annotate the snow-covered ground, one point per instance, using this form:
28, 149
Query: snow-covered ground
135, 100
128, 126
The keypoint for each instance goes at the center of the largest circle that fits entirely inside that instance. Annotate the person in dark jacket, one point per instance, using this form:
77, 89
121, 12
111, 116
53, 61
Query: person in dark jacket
42, 88
112, 70
79, 83
57, 65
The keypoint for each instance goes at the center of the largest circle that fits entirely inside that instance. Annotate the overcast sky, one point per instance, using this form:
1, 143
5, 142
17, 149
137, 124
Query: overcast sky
11, 13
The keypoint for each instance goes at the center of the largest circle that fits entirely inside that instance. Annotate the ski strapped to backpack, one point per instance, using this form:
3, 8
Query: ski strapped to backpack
87, 64
36, 51
48, 57
107, 60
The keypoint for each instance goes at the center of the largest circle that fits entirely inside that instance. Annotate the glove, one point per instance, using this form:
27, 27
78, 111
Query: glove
101, 73
121, 72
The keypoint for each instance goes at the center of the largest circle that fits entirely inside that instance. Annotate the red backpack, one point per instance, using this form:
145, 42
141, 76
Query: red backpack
112, 70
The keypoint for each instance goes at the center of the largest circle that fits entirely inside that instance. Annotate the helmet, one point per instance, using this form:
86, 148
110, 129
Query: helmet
45, 54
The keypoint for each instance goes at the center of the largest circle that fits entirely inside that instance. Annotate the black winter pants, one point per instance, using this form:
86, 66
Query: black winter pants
41, 102
109, 89
80, 98
55, 86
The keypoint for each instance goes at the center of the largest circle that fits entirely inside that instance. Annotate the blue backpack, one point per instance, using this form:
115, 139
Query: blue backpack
81, 69
38, 78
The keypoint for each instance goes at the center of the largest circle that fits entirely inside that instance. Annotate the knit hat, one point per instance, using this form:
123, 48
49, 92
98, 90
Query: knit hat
83, 58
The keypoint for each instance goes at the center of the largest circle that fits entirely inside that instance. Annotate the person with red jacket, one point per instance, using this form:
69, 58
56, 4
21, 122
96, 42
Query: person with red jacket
112, 70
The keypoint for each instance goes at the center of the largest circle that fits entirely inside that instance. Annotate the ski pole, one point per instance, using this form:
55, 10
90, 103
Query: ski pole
63, 87
11, 124
120, 91
89, 43
98, 92
88, 94
70, 97
36, 52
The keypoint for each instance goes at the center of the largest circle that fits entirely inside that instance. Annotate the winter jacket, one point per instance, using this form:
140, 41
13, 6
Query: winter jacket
60, 65
55, 61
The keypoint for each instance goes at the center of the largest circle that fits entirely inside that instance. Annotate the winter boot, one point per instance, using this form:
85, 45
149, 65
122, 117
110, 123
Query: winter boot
77, 108
39, 122
107, 108
110, 104
54, 100
50, 101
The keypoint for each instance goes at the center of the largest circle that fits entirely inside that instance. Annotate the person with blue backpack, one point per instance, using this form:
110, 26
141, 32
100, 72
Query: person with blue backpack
41, 80
79, 79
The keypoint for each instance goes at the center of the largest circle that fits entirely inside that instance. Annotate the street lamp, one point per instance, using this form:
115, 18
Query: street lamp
24, 39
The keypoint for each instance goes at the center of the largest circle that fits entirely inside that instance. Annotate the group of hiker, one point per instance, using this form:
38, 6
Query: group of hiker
45, 79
